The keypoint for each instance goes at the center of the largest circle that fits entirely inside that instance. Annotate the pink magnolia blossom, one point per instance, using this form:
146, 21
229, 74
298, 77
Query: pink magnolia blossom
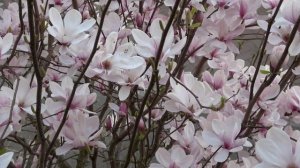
186, 137
217, 81
182, 100
80, 131
70, 30
25, 97
78, 53
82, 98
223, 135
112, 59
289, 101
224, 31
147, 47
277, 150
248, 9
176, 158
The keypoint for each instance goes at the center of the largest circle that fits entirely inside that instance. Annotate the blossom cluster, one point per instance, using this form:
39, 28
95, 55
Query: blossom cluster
150, 83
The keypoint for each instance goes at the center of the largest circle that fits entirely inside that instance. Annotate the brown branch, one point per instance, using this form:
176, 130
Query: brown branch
39, 78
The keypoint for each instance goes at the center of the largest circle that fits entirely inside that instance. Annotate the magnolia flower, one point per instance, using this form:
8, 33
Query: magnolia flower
186, 139
70, 30
78, 53
112, 59
225, 31
289, 101
182, 99
147, 47
5, 45
248, 9
131, 78
277, 150
5, 159
217, 81
228, 63
80, 131
26, 95
174, 159
82, 98
223, 137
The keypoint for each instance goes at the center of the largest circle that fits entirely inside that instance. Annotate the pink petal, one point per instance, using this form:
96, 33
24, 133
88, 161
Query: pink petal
5, 159
124, 92
64, 149
221, 155
56, 19
163, 157
72, 20
142, 38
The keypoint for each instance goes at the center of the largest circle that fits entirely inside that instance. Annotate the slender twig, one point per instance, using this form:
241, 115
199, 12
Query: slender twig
39, 77
11, 109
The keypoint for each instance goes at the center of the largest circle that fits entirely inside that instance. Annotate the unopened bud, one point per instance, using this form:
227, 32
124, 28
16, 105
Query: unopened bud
123, 109
139, 20
108, 123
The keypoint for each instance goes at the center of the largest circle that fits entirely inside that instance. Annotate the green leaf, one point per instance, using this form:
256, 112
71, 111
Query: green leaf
195, 25
2, 151
265, 72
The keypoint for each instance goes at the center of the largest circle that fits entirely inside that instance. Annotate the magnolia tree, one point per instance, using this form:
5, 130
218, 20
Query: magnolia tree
154, 83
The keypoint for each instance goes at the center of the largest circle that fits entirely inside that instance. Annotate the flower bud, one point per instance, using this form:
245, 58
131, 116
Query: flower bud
139, 20
123, 109
141, 126
108, 123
